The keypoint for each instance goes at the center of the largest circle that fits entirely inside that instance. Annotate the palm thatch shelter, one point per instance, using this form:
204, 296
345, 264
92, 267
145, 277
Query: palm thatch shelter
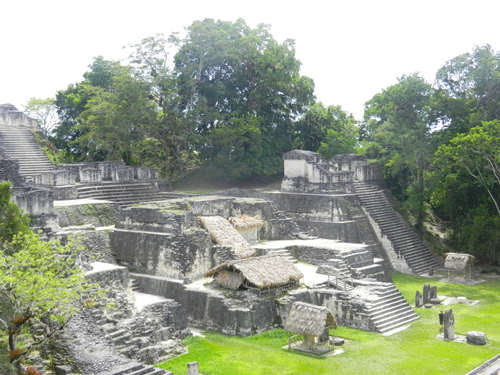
248, 227
265, 273
313, 323
458, 262
223, 233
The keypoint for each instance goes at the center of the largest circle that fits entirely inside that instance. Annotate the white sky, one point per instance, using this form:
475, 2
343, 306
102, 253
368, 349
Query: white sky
352, 49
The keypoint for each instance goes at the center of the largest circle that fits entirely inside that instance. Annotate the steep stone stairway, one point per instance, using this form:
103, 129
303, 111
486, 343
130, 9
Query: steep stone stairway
125, 194
135, 368
19, 144
127, 343
404, 240
361, 263
390, 310
283, 252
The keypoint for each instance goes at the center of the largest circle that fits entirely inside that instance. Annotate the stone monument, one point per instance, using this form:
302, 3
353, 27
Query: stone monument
419, 299
449, 325
427, 293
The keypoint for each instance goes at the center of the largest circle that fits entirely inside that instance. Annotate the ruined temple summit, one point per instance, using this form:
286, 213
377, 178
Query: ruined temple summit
235, 261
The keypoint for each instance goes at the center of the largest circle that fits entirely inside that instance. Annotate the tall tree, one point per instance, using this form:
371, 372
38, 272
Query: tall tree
72, 102
172, 133
327, 130
399, 122
469, 90
39, 284
44, 111
228, 75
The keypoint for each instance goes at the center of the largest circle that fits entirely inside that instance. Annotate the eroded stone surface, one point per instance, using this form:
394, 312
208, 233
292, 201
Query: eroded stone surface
476, 338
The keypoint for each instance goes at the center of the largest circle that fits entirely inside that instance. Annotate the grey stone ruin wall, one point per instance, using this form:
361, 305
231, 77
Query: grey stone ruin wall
168, 240
212, 311
186, 254
308, 172
99, 215
36, 201
94, 245
10, 171
11, 116
251, 314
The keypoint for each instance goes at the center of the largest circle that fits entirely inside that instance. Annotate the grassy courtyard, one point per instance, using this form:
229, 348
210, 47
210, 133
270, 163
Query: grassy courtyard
415, 350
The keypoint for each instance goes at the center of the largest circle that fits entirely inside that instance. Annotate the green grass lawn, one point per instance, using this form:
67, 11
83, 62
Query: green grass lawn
412, 351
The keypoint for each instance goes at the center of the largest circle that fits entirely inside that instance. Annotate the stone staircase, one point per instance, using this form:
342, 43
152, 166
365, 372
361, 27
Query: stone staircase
405, 241
127, 344
361, 263
390, 310
284, 253
125, 194
18, 143
135, 368
134, 285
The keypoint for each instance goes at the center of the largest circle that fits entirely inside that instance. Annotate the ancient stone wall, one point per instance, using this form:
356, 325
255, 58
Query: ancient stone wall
10, 171
36, 201
166, 238
11, 116
308, 172
96, 214
212, 311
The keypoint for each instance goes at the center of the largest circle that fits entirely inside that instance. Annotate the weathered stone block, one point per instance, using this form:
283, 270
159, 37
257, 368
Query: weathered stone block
90, 175
419, 299
427, 292
449, 325
476, 338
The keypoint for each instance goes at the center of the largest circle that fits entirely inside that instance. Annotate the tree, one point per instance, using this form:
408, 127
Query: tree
44, 111
466, 178
40, 287
12, 220
112, 119
173, 131
327, 130
477, 153
469, 90
72, 102
398, 124
229, 74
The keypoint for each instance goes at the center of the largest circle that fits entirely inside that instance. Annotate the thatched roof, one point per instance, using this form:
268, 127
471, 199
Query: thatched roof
229, 280
457, 261
245, 222
223, 233
307, 319
264, 272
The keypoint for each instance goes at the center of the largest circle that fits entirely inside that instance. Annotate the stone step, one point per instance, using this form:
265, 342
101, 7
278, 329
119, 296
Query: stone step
390, 312
398, 322
368, 269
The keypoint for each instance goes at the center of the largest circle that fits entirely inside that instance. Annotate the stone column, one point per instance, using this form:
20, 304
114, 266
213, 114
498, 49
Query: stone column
449, 325
419, 299
192, 368
427, 293
433, 292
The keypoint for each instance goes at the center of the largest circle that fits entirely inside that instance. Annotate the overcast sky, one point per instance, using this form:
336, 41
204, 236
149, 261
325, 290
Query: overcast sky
351, 49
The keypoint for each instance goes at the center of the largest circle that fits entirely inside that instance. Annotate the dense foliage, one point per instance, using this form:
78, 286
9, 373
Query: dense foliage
230, 97
439, 149
40, 286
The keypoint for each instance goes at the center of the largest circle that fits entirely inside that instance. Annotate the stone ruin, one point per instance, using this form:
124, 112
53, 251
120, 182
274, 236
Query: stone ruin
333, 216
